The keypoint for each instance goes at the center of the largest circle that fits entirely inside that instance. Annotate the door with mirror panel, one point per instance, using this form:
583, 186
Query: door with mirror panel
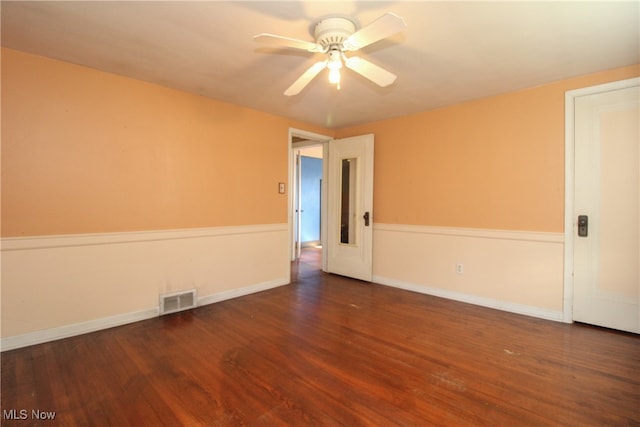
350, 207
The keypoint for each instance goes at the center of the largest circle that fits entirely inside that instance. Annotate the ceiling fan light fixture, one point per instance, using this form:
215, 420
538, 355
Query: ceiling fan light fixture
333, 36
334, 63
334, 76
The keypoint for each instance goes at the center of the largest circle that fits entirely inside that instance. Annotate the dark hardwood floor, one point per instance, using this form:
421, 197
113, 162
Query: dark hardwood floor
328, 350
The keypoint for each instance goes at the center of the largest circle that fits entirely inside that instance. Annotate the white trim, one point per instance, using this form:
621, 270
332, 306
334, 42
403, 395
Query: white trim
74, 240
472, 299
67, 331
305, 144
532, 236
308, 135
569, 184
240, 292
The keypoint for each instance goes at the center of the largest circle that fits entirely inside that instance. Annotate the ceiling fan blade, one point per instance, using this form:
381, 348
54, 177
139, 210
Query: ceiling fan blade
376, 74
287, 42
383, 27
305, 78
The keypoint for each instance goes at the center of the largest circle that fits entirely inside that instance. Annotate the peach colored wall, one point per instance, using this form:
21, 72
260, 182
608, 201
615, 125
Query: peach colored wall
85, 151
494, 163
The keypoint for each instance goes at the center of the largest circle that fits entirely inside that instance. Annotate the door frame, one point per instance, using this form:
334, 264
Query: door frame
569, 182
316, 139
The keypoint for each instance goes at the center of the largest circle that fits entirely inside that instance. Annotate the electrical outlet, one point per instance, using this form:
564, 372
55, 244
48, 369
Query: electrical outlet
460, 268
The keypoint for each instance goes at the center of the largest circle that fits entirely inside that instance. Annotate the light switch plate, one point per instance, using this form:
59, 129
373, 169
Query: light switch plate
281, 187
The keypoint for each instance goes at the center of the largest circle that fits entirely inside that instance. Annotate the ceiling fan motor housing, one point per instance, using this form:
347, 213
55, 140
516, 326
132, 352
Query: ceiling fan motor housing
333, 31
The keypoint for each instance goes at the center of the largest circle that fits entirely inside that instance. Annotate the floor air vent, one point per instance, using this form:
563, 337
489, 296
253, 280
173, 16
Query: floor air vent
177, 301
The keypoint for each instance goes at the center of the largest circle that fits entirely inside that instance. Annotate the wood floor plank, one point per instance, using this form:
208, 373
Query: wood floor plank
331, 351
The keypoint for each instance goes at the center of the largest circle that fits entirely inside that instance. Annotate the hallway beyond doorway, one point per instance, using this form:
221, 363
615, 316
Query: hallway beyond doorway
308, 264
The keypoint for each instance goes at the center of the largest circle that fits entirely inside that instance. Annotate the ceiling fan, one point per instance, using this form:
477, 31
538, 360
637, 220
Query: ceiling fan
335, 35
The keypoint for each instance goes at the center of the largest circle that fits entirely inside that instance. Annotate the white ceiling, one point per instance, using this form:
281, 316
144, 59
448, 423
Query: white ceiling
451, 51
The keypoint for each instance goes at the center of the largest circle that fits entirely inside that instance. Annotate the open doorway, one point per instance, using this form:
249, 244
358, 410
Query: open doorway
309, 204
307, 210
307, 200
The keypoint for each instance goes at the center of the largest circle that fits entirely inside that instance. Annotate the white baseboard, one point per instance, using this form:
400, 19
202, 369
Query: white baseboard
235, 293
66, 331
472, 299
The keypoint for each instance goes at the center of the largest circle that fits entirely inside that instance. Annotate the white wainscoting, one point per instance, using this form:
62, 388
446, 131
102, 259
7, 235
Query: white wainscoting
515, 271
58, 286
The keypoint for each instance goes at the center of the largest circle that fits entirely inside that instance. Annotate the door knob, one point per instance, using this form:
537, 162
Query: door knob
583, 225
366, 219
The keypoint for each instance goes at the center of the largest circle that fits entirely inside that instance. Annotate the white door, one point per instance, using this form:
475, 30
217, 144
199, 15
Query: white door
607, 205
350, 207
